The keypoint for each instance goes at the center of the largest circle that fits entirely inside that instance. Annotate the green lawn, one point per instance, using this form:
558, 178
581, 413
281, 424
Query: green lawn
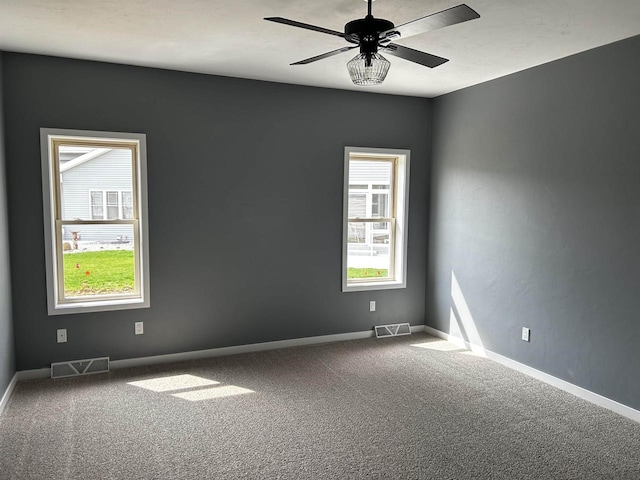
112, 271
367, 272
98, 273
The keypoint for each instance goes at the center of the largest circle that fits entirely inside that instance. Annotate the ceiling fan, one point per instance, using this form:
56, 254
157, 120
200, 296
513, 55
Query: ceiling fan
375, 34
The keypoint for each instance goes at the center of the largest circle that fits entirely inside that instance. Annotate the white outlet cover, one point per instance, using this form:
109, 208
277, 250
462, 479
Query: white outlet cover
525, 334
139, 328
61, 335
372, 306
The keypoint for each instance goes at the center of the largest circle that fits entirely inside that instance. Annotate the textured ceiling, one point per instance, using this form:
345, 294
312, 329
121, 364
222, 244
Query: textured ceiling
231, 38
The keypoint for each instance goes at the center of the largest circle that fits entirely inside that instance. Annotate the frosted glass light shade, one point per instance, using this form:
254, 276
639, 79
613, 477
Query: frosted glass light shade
368, 68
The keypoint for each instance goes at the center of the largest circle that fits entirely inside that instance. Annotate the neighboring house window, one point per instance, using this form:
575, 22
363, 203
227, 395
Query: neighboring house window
97, 206
375, 216
95, 209
116, 204
127, 205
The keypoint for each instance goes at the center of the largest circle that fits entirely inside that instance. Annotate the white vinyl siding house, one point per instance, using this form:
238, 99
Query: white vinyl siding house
93, 187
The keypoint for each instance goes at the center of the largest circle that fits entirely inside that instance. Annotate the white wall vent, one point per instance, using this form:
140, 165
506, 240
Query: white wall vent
79, 367
393, 330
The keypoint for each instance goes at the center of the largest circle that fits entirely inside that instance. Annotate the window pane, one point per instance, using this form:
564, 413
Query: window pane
87, 174
356, 232
112, 205
357, 205
380, 227
96, 206
369, 244
381, 238
365, 172
127, 206
97, 213
101, 262
368, 251
380, 205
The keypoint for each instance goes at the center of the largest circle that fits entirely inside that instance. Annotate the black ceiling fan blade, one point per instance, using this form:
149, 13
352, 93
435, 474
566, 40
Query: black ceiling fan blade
451, 16
315, 28
415, 56
324, 55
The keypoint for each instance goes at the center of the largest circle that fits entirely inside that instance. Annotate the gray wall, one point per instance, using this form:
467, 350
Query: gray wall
7, 357
535, 208
245, 204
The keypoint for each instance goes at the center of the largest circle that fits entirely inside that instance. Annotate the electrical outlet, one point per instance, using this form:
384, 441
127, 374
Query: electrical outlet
372, 306
139, 328
61, 335
526, 334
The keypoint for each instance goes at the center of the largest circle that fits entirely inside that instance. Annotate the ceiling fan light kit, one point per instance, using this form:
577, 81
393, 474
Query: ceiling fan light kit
368, 69
372, 34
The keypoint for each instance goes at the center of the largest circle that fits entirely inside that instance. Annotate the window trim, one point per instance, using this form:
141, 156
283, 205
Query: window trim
53, 235
399, 219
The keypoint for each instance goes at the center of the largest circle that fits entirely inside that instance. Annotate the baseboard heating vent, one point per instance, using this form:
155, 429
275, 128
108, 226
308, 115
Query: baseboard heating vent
393, 330
79, 367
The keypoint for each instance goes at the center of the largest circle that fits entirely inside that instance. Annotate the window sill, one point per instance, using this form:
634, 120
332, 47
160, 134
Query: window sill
367, 286
98, 306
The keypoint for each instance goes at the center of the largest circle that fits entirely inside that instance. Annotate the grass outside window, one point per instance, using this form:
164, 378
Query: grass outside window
367, 272
108, 272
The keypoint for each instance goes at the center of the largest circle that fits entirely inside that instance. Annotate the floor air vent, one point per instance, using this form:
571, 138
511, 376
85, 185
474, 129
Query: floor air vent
392, 330
79, 367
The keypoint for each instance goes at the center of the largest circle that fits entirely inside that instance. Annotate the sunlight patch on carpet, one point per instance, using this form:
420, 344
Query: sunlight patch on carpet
174, 382
212, 393
439, 345
471, 353
190, 387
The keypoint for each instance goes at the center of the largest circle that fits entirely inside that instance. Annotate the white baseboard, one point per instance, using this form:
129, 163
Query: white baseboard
253, 347
8, 392
580, 392
235, 350
33, 374
218, 352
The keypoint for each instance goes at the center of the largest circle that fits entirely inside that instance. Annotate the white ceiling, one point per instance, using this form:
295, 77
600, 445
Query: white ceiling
230, 37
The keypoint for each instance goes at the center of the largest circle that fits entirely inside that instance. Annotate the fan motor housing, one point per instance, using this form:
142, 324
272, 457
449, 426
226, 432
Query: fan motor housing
368, 26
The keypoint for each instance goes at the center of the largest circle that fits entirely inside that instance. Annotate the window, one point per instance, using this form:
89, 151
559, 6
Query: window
95, 210
375, 215
118, 205
97, 206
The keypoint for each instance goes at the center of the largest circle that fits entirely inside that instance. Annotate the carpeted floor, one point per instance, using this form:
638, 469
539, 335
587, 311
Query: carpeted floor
400, 408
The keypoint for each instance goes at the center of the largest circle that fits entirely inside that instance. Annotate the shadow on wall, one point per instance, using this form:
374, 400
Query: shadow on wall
462, 327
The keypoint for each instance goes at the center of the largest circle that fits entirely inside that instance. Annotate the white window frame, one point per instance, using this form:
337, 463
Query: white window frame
56, 303
399, 219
